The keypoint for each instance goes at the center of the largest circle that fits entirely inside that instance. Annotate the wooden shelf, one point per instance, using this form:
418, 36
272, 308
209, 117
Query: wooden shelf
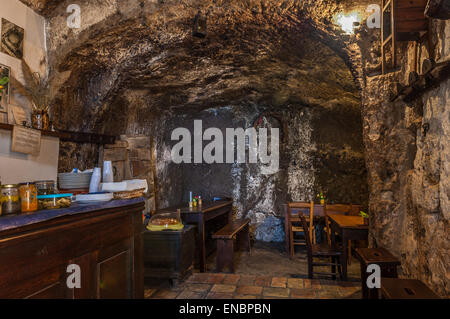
401, 20
76, 137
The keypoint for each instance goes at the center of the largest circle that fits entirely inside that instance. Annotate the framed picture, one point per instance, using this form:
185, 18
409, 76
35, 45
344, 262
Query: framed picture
12, 39
5, 71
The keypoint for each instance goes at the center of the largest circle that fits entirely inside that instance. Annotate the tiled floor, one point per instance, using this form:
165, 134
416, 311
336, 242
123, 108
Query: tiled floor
265, 273
236, 286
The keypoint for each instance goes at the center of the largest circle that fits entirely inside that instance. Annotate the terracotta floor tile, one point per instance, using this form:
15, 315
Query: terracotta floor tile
165, 294
263, 281
149, 292
276, 292
303, 293
327, 294
247, 280
246, 297
189, 294
219, 295
215, 278
295, 283
249, 290
279, 282
197, 287
315, 283
201, 278
223, 288
231, 279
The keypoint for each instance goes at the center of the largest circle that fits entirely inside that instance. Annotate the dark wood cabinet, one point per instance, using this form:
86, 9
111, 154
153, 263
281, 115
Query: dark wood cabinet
105, 243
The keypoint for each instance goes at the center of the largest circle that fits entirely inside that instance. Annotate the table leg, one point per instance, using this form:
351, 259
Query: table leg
201, 245
344, 257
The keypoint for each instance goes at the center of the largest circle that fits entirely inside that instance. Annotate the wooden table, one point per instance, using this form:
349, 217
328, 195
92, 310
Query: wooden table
348, 228
220, 211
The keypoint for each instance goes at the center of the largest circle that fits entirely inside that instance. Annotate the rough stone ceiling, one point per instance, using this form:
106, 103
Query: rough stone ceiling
281, 51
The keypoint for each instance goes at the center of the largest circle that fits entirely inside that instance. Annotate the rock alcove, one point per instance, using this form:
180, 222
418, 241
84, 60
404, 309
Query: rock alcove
136, 70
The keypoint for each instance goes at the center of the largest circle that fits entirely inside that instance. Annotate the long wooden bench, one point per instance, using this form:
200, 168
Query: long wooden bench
225, 242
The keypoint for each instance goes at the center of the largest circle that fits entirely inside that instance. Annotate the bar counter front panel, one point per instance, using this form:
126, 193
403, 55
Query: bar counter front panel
104, 240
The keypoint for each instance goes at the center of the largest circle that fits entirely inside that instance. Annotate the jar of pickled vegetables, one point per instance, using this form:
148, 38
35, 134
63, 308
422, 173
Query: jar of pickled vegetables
28, 197
10, 199
46, 187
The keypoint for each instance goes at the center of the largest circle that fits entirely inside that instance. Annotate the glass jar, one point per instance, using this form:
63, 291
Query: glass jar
28, 197
10, 199
46, 187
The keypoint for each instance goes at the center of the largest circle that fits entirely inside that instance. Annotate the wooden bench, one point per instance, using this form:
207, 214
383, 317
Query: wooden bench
381, 257
394, 288
225, 243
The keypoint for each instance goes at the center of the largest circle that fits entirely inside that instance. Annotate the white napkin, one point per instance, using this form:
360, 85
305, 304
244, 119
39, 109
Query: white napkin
128, 185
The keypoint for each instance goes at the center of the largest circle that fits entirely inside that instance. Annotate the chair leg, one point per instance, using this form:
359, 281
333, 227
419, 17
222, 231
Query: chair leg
291, 243
333, 268
341, 274
349, 252
310, 267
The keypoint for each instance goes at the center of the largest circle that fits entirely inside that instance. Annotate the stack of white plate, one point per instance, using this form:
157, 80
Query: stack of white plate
93, 198
74, 180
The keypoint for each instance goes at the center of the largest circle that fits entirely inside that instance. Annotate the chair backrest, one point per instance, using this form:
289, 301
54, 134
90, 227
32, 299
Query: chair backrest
302, 208
306, 229
295, 207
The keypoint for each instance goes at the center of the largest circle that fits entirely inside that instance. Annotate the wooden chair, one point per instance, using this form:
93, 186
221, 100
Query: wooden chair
293, 225
321, 251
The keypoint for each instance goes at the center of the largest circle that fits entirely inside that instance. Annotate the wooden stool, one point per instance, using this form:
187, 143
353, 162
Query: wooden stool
381, 257
394, 288
225, 244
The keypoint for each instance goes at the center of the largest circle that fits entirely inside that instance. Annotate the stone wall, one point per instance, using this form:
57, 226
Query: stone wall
407, 157
310, 160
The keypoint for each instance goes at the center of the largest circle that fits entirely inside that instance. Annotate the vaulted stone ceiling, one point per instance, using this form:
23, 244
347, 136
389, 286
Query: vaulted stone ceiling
277, 51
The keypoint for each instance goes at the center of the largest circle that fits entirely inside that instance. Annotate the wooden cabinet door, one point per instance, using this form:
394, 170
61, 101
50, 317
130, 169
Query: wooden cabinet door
115, 271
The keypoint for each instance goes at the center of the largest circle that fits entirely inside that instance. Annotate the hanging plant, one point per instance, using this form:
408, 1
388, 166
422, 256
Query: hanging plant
40, 92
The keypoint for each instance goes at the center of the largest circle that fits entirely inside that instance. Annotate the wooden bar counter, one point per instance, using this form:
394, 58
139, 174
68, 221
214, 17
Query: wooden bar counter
104, 240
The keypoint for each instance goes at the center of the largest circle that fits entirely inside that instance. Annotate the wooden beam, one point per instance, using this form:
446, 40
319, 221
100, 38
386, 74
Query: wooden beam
76, 137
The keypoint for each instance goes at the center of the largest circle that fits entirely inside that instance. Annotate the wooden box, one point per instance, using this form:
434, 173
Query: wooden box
169, 254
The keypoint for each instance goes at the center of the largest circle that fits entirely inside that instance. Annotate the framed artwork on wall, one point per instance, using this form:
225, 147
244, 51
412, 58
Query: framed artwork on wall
12, 39
5, 89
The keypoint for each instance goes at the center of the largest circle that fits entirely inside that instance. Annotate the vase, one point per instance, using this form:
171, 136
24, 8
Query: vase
40, 120
322, 202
